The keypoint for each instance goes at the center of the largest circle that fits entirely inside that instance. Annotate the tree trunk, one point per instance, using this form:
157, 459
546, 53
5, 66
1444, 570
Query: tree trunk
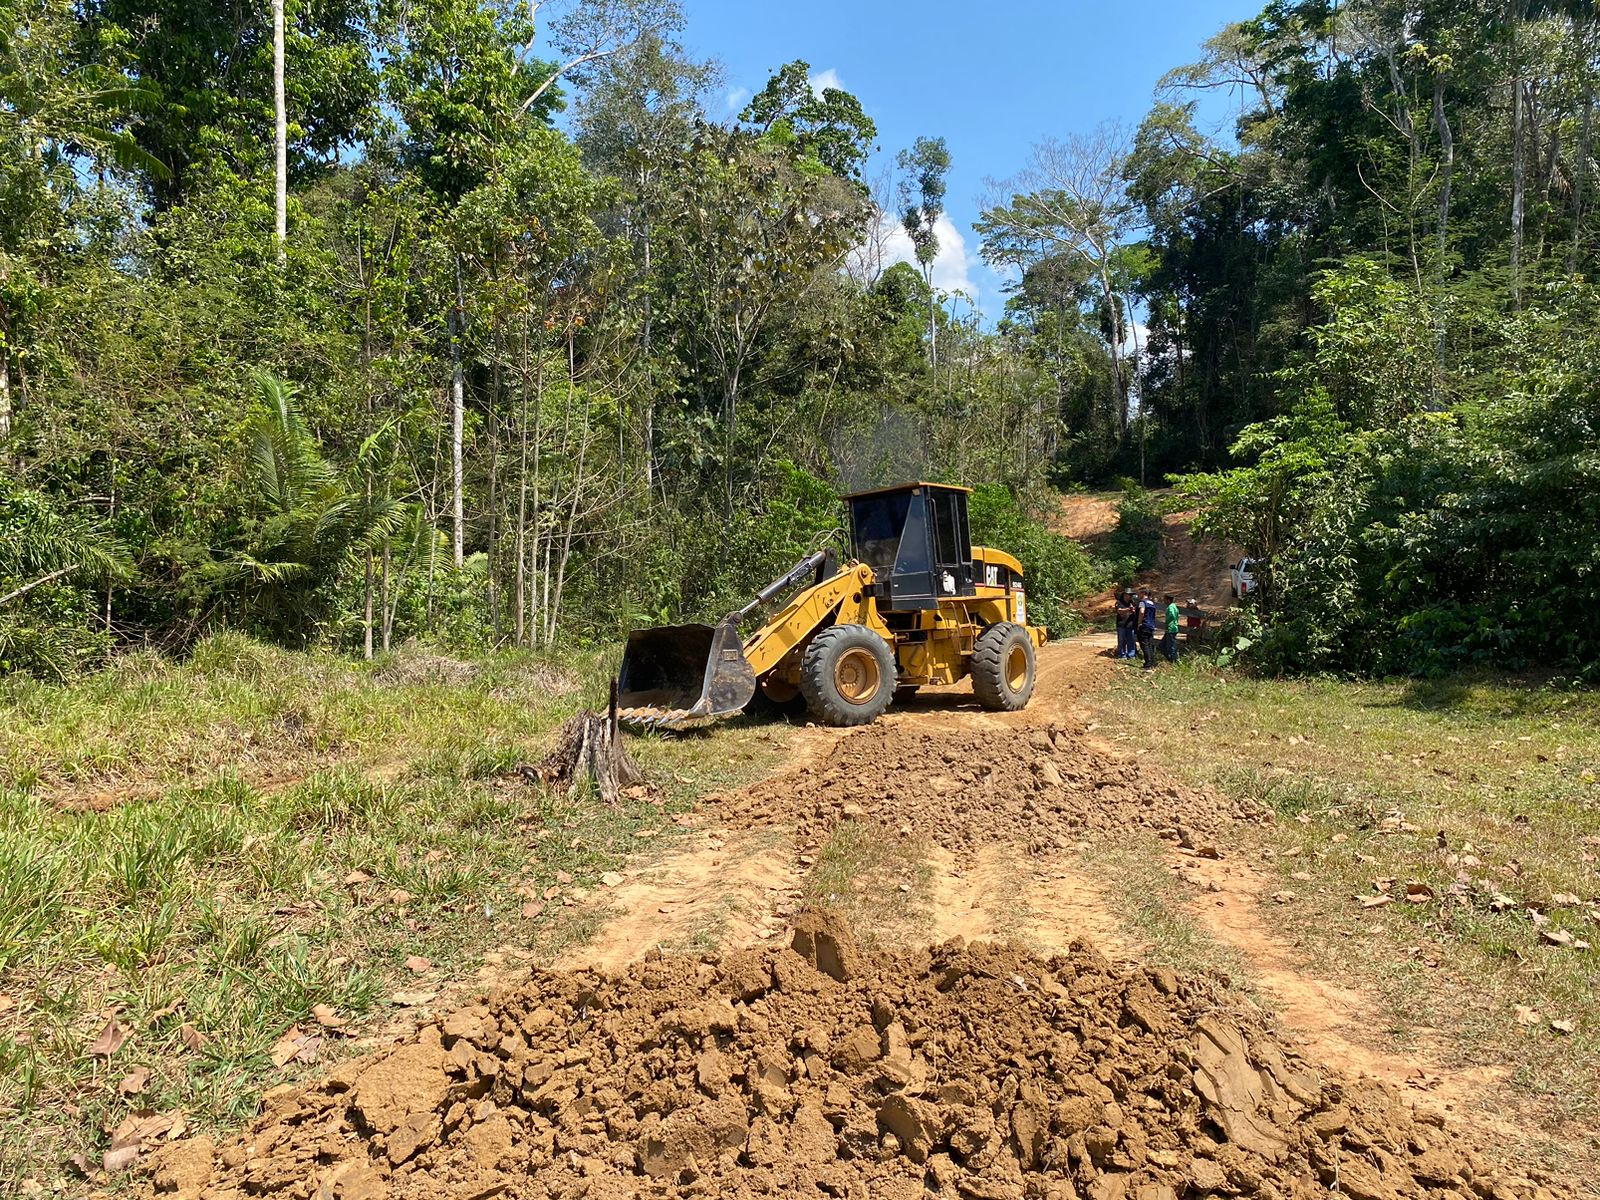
647, 346
280, 127
1119, 395
1518, 189
1581, 185
458, 415
5, 390
366, 610
588, 746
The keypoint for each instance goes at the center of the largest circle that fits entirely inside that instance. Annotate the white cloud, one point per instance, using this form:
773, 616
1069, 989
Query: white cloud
823, 80
952, 268
1136, 339
737, 99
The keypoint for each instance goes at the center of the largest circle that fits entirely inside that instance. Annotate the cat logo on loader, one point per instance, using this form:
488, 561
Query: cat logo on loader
918, 606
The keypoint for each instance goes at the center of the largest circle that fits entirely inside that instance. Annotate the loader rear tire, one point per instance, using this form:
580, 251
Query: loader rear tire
847, 675
1003, 667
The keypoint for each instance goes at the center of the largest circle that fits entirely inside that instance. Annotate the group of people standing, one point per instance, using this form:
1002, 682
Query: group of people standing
1139, 619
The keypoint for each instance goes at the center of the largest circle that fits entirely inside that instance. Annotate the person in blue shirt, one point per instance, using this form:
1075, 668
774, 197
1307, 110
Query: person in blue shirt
1146, 616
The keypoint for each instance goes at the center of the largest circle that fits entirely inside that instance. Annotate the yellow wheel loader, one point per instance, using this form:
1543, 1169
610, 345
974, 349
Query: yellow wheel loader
919, 605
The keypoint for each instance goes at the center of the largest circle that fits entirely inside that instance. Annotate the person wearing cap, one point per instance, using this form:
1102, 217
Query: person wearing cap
1125, 614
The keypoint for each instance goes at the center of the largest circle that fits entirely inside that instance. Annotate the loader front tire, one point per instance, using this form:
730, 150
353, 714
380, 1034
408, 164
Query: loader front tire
1003, 667
847, 675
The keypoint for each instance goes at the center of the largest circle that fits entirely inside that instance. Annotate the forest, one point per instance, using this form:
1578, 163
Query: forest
346, 323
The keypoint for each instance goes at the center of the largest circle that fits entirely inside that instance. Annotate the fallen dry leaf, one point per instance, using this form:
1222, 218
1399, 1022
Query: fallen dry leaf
1382, 885
135, 1132
110, 1039
410, 999
1418, 893
134, 1081
7, 1003
192, 1038
418, 965
611, 879
551, 892
296, 1046
1528, 1016
532, 910
356, 878
563, 877
400, 897
1562, 938
1563, 1026
1565, 900
1377, 901
1283, 897
326, 1017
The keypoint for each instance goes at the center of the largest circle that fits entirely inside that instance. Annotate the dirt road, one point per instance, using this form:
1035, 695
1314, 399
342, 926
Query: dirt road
773, 1055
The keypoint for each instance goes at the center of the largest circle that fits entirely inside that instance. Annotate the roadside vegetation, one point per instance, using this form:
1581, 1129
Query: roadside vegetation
181, 927
1436, 843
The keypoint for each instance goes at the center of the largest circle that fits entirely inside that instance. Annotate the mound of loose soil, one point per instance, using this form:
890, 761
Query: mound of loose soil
1044, 787
961, 1071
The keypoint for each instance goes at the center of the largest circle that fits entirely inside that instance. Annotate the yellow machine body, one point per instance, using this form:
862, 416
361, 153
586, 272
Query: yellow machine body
931, 599
932, 646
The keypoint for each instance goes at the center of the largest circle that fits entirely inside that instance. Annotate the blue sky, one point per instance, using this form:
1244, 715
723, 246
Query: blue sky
991, 78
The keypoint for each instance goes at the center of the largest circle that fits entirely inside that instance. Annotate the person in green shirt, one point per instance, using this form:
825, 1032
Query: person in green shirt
1169, 643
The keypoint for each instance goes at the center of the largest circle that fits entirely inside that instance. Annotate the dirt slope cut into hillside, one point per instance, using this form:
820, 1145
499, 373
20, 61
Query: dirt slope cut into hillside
1187, 568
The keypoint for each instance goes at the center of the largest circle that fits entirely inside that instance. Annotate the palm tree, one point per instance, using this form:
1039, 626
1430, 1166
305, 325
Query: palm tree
309, 525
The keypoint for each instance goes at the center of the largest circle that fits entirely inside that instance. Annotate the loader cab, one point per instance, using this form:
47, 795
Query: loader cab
916, 540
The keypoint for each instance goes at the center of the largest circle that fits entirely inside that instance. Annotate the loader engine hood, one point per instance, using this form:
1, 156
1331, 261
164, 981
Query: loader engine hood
681, 676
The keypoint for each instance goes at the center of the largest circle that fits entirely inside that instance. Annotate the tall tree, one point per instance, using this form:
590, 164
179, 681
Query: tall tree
280, 137
1071, 199
922, 189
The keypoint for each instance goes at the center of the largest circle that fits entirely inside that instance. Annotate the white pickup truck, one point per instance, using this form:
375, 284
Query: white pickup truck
1242, 576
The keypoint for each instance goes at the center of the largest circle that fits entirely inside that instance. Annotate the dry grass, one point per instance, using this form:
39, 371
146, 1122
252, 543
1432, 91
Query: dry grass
209, 913
1484, 793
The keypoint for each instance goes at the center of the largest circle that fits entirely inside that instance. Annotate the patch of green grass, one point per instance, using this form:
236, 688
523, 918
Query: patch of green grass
1151, 906
149, 723
879, 880
1366, 780
234, 906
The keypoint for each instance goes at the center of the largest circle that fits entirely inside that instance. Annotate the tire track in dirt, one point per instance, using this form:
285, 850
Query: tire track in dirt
1004, 804
736, 885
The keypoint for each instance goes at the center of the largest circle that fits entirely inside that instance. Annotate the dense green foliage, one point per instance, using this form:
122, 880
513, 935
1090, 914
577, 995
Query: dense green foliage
1371, 319
540, 384
500, 383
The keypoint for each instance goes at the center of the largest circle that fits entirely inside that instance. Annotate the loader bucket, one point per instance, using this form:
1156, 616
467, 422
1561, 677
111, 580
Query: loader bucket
681, 676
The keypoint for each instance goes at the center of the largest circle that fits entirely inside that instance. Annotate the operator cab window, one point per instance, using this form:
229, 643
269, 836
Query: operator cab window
946, 532
879, 521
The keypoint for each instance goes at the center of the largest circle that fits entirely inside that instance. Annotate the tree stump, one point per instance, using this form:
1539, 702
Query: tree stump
588, 746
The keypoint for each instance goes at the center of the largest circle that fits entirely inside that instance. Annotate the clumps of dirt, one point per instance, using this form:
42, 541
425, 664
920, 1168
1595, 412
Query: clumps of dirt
962, 1071
1044, 787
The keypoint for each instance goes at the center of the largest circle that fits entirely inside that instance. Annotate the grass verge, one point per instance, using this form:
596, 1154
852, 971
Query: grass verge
1436, 843
877, 878
200, 921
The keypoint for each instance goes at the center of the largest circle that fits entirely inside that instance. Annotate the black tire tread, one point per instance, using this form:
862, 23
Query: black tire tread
988, 668
816, 676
